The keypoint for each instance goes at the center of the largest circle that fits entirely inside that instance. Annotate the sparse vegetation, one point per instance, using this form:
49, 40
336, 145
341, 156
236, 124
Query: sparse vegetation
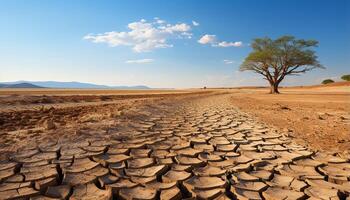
346, 77
275, 59
327, 81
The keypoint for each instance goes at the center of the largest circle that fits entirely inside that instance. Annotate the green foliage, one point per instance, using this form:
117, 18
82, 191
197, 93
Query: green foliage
327, 81
346, 77
275, 59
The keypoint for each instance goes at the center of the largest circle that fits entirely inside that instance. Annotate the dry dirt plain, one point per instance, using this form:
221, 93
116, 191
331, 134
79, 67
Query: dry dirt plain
317, 116
175, 144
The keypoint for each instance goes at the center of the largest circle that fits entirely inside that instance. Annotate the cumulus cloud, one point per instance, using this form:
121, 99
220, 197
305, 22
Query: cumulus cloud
230, 44
195, 23
207, 39
141, 61
212, 40
181, 28
159, 21
144, 36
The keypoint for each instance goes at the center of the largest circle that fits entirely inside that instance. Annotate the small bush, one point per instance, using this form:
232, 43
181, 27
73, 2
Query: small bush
327, 81
346, 77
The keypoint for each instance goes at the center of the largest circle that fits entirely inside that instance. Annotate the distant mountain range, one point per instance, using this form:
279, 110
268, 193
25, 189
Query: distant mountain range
68, 85
19, 85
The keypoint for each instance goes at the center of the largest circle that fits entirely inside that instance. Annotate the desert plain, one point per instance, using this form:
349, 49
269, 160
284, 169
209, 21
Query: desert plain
228, 143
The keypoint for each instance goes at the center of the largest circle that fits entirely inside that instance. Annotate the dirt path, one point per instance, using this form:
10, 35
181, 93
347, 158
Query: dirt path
199, 147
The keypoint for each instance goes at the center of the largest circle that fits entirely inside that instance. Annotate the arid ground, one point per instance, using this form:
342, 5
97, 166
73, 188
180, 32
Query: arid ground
239, 143
317, 116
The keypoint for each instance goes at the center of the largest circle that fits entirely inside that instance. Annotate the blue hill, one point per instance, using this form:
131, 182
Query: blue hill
72, 85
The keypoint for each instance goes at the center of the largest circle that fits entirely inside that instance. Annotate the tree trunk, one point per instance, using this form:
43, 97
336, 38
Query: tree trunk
274, 88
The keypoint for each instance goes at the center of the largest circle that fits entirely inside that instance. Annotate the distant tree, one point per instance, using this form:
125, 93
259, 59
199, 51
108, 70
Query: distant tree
276, 59
327, 81
346, 77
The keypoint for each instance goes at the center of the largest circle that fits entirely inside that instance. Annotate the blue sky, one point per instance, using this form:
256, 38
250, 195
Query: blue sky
104, 41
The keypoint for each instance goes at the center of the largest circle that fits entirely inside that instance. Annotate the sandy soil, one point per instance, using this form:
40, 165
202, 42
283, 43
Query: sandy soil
181, 146
318, 116
196, 146
36, 116
29, 98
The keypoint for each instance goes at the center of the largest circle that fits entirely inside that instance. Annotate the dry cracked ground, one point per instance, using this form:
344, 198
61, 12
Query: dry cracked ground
197, 147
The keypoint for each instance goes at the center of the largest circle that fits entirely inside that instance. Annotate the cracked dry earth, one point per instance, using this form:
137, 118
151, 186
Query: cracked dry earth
202, 148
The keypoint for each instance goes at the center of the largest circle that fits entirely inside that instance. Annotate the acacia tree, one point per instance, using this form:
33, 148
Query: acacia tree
275, 59
346, 77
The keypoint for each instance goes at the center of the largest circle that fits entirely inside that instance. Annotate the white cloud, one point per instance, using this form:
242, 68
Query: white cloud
177, 28
207, 39
230, 44
227, 62
195, 23
212, 40
159, 21
141, 61
144, 36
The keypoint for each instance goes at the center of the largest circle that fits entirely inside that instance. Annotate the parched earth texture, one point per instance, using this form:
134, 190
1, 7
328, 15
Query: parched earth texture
198, 148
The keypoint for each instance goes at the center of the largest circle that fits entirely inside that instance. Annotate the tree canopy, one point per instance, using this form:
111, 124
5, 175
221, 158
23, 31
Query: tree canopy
275, 59
327, 81
346, 77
